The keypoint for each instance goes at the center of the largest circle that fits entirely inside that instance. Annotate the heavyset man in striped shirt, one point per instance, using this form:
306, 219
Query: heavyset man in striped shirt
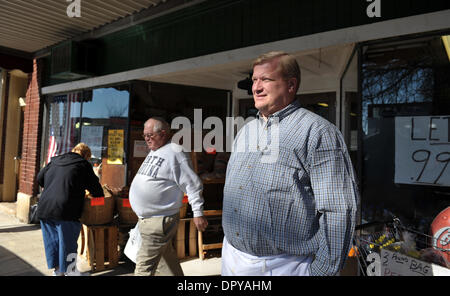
290, 196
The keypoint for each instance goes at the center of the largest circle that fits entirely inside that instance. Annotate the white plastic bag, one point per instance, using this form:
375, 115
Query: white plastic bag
133, 244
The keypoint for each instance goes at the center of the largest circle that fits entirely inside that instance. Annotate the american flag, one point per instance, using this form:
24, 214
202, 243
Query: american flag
69, 124
52, 146
62, 128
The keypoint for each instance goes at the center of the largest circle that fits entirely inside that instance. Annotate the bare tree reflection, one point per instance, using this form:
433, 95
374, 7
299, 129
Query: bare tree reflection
398, 81
397, 76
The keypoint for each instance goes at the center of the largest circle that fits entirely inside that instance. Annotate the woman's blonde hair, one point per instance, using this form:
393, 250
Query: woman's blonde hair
83, 150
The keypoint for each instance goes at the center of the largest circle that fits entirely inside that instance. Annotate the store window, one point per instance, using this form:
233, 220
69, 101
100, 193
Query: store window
405, 125
64, 116
97, 117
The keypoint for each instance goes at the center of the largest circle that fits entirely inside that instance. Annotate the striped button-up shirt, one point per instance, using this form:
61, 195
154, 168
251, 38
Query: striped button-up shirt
291, 189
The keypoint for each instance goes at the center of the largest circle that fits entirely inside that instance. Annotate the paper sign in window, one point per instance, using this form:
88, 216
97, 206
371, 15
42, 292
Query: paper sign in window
422, 150
115, 146
93, 137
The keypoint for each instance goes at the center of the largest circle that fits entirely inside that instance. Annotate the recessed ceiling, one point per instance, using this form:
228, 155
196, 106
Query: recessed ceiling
315, 65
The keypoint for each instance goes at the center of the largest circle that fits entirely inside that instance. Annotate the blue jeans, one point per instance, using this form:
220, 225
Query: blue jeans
60, 241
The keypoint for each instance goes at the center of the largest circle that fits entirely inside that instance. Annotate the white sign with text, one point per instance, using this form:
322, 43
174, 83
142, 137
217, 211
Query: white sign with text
140, 149
396, 264
422, 150
92, 136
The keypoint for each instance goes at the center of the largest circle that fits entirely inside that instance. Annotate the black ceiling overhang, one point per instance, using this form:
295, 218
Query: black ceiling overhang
11, 62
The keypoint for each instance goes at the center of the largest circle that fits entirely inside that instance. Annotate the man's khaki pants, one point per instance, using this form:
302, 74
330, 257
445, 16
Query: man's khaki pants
156, 248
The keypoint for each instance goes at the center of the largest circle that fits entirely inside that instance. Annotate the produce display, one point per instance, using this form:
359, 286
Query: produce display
103, 210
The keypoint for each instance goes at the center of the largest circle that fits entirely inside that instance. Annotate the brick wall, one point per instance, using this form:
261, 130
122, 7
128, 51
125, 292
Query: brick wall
31, 141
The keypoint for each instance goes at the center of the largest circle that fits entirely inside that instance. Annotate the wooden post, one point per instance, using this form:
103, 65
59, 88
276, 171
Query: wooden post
192, 238
180, 244
201, 254
99, 245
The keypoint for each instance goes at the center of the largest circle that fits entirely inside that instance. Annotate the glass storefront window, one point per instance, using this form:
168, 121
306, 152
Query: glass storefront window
108, 110
98, 118
405, 106
105, 130
64, 115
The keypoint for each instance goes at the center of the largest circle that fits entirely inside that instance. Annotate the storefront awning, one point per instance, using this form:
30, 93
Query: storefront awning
31, 26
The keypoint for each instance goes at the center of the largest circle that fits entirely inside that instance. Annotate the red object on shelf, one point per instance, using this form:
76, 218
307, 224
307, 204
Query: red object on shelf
440, 231
185, 198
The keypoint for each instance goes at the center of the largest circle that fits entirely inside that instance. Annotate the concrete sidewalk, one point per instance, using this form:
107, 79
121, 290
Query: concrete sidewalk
22, 252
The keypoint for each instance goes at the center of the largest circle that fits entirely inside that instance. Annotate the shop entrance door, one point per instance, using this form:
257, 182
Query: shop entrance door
16, 87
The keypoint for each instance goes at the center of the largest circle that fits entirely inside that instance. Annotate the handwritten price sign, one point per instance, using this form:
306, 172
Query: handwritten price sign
396, 264
422, 150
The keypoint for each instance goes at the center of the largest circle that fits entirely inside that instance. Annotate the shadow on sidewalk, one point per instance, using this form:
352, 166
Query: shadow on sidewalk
125, 268
15, 228
12, 265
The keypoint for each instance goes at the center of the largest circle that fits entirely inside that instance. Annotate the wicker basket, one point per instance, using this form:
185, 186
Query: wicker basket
126, 214
98, 211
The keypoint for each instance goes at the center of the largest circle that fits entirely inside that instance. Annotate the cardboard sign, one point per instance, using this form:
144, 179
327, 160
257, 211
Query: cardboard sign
126, 203
396, 264
97, 201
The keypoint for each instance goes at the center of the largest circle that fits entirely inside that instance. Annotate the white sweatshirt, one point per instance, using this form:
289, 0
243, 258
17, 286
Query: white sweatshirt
158, 187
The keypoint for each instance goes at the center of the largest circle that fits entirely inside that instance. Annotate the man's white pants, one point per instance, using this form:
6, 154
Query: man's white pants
237, 263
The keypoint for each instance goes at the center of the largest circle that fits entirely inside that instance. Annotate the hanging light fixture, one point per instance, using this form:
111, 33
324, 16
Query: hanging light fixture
22, 101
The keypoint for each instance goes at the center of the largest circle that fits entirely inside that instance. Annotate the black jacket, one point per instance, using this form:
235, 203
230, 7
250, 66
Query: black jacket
64, 180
